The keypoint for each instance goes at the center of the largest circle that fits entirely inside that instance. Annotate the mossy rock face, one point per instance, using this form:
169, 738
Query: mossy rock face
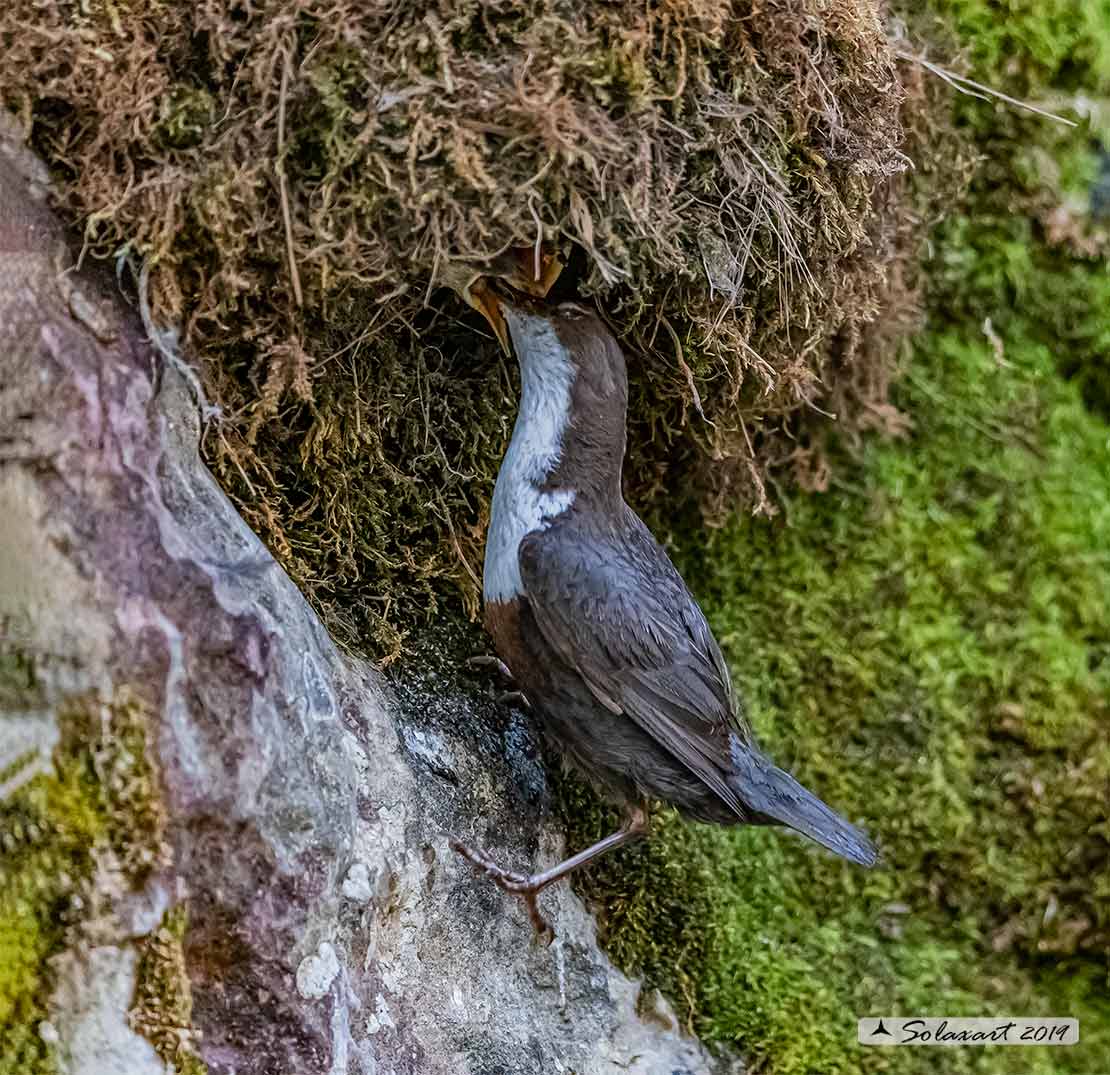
925, 644
724, 177
163, 1005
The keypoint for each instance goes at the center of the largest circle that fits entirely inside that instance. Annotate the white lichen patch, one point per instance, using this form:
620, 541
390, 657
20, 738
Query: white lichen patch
356, 885
317, 972
381, 1019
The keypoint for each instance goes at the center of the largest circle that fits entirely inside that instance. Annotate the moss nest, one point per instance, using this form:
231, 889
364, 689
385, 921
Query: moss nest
298, 177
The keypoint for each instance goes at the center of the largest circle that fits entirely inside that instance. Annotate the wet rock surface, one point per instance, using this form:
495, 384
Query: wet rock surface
307, 798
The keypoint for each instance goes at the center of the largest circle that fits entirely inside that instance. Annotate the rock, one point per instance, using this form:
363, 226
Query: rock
90, 1027
306, 801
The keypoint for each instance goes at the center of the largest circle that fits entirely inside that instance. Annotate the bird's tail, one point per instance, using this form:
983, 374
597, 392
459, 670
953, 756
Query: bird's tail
775, 794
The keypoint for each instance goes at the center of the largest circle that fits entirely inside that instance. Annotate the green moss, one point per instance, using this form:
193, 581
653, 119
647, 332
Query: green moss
101, 798
928, 649
48, 829
186, 112
163, 1005
1031, 43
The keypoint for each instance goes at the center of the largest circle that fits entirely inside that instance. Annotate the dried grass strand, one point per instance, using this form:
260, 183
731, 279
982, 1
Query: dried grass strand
968, 86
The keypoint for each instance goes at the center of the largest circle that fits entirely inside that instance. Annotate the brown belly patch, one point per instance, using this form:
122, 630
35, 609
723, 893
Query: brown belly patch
502, 620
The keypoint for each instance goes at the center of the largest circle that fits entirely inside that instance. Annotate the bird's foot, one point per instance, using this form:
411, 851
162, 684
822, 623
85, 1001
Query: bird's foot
517, 698
513, 696
488, 660
517, 884
529, 887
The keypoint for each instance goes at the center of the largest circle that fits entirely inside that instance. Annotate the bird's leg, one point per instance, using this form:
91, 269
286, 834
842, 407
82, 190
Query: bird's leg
529, 887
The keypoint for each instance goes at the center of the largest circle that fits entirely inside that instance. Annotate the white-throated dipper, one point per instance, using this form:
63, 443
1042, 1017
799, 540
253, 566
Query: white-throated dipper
596, 625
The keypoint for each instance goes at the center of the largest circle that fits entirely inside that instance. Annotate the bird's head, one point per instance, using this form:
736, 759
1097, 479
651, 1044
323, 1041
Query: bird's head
565, 350
585, 341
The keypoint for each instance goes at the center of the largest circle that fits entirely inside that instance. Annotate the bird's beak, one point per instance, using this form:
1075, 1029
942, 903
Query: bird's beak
486, 301
473, 285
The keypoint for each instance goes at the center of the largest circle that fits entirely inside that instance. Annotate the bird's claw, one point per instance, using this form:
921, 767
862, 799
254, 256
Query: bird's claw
517, 884
488, 660
513, 696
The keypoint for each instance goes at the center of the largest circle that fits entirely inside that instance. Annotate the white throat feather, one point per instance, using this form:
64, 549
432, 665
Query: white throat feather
520, 504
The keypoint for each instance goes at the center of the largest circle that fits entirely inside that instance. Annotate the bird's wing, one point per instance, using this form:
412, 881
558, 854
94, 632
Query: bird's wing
614, 608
